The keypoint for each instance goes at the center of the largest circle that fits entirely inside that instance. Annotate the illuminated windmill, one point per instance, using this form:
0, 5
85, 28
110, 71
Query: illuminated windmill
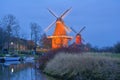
78, 38
59, 37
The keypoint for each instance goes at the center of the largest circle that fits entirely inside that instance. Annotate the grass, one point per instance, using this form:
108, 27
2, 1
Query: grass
85, 66
110, 55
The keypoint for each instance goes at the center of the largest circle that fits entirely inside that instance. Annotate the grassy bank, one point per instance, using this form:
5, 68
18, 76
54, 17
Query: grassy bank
86, 66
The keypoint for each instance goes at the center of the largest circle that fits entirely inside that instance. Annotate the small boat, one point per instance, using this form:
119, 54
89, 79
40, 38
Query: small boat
7, 63
11, 58
29, 59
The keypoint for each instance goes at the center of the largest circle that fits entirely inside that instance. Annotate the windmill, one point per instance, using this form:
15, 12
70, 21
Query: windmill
59, 37
78, 38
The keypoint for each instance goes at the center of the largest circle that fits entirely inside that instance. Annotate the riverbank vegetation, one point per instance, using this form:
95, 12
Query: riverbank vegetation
85, 66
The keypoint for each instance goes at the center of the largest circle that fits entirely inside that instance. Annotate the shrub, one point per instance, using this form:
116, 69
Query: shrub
117, 47
2, 55
83, 67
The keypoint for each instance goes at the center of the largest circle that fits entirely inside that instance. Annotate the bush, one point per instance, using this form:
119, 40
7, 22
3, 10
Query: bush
25, 52
117, 47
83, 67
2, 55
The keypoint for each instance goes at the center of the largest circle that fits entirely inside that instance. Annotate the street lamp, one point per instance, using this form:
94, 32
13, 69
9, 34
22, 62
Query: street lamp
12, 46
11, 43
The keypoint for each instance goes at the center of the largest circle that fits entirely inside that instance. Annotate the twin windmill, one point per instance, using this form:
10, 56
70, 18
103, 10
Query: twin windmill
60, 37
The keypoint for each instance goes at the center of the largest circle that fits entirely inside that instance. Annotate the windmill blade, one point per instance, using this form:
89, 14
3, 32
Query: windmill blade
73, 30
64, 14
52, 13
49, 26
67, 29
81, 29
83, 40
74, 37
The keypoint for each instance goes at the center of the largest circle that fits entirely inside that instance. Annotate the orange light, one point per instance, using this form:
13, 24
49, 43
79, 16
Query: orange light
78, 39
59, 38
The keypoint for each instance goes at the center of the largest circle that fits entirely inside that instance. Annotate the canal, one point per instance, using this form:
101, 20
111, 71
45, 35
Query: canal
16, 70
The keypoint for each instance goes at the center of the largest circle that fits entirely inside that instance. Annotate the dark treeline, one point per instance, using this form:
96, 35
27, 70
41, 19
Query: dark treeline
114, 49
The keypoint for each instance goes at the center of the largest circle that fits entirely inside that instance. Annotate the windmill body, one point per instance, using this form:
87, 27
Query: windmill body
78, 37
58, 40
59, 37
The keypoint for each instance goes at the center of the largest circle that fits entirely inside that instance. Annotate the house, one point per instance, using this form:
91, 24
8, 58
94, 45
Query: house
19, 44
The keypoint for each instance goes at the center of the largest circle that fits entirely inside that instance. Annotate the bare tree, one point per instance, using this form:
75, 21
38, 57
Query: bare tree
8, 23
16, 34
45, 42
35, 33
3, 35
16, 31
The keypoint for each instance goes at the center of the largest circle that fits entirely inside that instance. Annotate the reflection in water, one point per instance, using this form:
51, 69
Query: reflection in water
20, 71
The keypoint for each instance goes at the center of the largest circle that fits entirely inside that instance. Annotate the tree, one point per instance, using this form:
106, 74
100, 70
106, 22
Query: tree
106, 49
8, 23
117, 47
45, 42
16, 31
3, 35
88, 47
35, 33
16, 34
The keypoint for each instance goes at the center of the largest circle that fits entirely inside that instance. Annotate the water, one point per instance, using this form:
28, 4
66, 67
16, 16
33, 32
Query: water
16, 70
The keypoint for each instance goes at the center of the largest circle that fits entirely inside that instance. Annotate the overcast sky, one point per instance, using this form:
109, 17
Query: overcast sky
101, 17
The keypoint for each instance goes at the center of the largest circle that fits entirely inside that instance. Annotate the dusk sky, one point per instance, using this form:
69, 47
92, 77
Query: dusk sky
101, 17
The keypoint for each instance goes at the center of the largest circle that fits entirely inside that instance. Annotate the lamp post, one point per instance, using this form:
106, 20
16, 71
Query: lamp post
12, 45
